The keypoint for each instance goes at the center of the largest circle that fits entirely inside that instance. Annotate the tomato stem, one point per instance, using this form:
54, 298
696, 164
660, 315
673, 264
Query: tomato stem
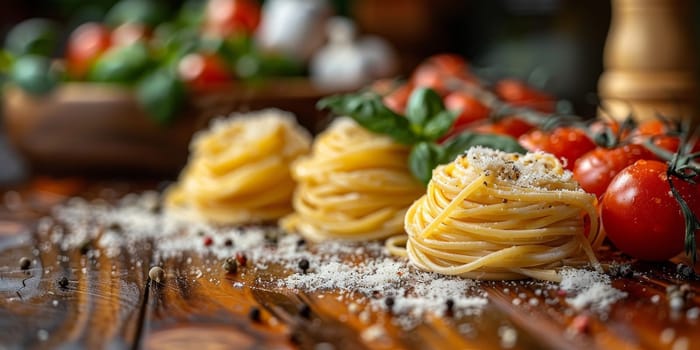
684, 168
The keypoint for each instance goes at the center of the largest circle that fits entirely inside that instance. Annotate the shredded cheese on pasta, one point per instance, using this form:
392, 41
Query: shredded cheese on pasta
495, 215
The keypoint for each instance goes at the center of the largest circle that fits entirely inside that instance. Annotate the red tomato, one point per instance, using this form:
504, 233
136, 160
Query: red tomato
449, 64
224, 18
129, 33
565, 142
428, 76
203, 71
471, 109
398, 98
85, 44
653, 127
510, 126
641, 216
659, 130
595, 169
520, 94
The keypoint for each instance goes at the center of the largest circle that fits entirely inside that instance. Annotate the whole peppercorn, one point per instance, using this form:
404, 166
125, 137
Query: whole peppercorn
389, 302
228, 242
305, 311
303, 265
449, 305
63, 282
685, 271
24, 263
230, 265
157, 274
254, 314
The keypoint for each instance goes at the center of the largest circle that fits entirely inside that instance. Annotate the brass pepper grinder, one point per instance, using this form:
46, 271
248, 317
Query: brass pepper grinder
650, 61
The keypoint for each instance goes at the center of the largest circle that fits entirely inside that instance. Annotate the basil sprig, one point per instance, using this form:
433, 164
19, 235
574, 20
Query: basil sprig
426, 156
426, 121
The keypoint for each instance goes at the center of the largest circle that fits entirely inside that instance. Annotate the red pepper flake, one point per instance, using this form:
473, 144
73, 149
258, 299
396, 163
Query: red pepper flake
561, 293
580, 324
241, 259
208, 241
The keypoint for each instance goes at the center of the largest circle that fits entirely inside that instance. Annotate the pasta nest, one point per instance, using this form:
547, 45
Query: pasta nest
495, 215
238, 170
355, 185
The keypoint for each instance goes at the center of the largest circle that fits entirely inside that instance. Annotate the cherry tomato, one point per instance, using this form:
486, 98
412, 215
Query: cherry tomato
595, 169
640, 214
223, 18
129, 33
428, 76
511, 126
203, 71
654, 127
398, 98
565, 142
660, 131
520, 94
449, 64
85, 45
471, 109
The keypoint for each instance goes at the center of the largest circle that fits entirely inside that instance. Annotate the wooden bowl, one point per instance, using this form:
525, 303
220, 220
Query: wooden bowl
100, 128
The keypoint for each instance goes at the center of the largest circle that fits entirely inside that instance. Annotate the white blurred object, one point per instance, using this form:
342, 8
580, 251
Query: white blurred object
294, 28
345, 63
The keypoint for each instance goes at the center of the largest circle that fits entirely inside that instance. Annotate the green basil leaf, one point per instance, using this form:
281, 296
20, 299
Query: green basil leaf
424, 157
368, 110
460, 143
34, 74
161, 94
36, 36
423, 105
439, 125
121, 64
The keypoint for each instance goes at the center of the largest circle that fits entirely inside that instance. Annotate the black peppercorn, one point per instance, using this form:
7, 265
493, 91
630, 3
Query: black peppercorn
389, 302
230, 265
305, 311
301, 242
24, 263
303, 265
63, 282
254, 314
685, 271
228, 242
449, 304
85, 247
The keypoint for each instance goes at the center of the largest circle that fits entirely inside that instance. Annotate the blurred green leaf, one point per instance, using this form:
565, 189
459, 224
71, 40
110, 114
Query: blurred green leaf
36, 36
424, 157
161, 94
121, 64
149, 12
34, 74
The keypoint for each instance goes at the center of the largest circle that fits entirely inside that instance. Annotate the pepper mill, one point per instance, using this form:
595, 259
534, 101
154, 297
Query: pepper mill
650, 61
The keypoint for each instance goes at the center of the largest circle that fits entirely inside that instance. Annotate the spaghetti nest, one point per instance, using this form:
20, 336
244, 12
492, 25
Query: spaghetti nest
495, 215
355, 185
238, 171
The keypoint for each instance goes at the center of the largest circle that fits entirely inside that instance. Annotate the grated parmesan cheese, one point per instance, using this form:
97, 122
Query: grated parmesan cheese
364, 274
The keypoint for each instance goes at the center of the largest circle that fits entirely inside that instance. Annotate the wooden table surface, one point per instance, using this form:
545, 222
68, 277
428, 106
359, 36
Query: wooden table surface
110, 302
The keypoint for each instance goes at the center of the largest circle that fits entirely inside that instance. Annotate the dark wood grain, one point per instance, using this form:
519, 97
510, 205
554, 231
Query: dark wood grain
110, 303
